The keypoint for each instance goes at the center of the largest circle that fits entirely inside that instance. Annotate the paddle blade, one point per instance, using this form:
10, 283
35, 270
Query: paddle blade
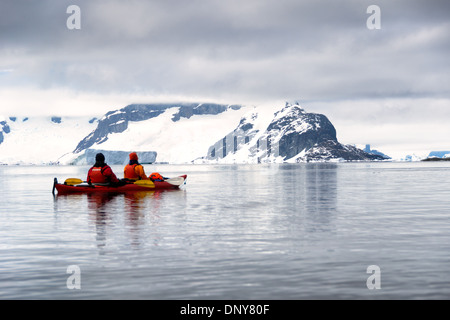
177, 181
72, 181
145, 183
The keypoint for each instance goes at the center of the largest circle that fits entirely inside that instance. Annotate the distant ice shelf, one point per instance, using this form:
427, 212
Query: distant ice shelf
112, 157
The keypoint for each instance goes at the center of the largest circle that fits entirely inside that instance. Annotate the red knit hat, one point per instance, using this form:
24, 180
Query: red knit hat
133, 156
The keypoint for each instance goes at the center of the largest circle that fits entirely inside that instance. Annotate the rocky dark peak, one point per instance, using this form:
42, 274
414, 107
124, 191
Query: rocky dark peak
187, 111
298, 130
292, 135
328, 150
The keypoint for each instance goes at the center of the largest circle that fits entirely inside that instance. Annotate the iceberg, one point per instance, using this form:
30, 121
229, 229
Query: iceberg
112, 157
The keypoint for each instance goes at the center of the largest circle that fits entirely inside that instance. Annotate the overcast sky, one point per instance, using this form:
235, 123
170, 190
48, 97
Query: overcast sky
389, 87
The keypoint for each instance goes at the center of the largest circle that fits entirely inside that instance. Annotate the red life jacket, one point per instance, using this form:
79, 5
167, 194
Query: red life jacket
130, 172
96, 175
155, 176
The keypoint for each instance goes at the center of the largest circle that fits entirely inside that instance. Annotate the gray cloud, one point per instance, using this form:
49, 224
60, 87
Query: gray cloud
266, 49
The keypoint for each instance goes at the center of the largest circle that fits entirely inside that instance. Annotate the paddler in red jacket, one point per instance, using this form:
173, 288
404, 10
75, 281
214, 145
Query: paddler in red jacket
134, 170
101, 172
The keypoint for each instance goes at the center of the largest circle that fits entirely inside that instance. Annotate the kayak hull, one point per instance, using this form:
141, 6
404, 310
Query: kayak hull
127, 188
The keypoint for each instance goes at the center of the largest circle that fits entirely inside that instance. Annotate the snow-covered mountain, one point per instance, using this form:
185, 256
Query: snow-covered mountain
40, 140
178, 133
292, 135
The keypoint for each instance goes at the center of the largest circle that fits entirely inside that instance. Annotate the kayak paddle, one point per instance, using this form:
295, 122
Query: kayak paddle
73, 181
145, 183
177, 181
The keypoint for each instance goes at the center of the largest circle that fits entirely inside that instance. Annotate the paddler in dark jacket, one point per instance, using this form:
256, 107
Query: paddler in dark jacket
101, 172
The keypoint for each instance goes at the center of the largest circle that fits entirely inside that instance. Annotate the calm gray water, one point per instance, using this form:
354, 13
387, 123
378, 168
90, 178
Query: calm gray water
305, 231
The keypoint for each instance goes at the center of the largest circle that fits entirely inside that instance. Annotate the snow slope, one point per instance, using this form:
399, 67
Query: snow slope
175, 142
256, 118
39, 140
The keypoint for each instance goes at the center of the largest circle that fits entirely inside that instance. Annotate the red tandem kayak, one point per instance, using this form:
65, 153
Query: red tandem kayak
73, 185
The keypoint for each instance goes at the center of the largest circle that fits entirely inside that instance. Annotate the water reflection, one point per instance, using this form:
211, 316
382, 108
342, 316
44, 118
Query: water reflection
118, 215
321, 193
142, 208
100, 214
308, 198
